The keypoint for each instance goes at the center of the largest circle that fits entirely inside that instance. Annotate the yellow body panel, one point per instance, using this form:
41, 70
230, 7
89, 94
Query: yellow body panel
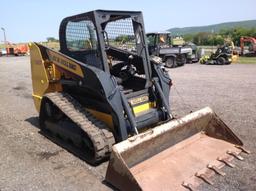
234, 58
65, 63
107, 118
143, 107
43, 74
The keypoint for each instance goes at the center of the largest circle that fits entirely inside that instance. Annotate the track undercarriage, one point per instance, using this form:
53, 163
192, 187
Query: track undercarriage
65, 118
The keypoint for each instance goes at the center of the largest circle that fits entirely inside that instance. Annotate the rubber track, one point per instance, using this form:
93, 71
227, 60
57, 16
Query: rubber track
96, 130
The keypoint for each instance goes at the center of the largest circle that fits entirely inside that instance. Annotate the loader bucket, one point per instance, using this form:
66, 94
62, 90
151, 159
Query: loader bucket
176, 155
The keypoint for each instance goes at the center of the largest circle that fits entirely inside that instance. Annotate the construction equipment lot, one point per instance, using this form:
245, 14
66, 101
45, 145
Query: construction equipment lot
29, 161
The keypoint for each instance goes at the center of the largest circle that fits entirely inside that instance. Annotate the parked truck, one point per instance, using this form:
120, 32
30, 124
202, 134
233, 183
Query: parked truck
160, 44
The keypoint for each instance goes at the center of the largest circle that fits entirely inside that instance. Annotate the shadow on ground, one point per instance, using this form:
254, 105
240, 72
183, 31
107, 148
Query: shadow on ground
34, 121
65, 143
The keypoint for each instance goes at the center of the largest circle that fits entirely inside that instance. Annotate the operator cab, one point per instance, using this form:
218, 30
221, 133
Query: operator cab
110, 41
158, 40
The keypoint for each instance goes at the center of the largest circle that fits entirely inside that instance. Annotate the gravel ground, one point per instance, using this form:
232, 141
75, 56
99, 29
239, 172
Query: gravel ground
230, 90
29, 161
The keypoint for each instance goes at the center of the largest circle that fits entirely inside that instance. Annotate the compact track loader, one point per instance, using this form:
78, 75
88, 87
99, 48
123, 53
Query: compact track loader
102, 93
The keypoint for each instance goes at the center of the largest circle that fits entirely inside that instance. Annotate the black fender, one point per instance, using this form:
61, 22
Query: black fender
166, 56
224, 55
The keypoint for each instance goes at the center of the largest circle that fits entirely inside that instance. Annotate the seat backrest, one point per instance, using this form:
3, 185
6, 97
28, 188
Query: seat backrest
91, 58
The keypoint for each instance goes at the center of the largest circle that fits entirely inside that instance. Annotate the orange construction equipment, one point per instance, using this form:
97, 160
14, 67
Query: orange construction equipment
17, 50
252, 47
21, 49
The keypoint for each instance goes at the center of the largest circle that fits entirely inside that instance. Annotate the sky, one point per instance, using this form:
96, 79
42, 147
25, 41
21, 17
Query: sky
35, 20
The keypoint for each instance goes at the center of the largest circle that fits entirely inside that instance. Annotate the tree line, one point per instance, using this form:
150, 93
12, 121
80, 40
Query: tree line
202, 38
214, 39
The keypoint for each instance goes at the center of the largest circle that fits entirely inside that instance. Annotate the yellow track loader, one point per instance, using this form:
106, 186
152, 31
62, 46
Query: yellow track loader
102, 93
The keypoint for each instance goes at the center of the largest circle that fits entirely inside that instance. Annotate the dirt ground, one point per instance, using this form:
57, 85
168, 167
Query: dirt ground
29, 161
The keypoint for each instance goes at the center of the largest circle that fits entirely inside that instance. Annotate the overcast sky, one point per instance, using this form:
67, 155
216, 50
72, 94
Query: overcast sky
35, 20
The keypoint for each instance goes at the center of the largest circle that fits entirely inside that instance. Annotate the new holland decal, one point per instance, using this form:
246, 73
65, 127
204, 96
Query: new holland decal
66, 63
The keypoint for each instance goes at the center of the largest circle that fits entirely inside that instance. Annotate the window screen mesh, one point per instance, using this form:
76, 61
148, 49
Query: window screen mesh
81, 36
121, 34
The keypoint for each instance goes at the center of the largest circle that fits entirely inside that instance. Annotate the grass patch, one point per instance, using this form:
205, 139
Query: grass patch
2, 46
246, 60
54, 45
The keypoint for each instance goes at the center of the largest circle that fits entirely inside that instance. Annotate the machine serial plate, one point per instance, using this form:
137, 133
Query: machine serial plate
138, 100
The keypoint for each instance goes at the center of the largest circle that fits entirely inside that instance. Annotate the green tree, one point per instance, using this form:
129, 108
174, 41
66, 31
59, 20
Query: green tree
202, 38
51, 39
207, 38
188, 37
122, 38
